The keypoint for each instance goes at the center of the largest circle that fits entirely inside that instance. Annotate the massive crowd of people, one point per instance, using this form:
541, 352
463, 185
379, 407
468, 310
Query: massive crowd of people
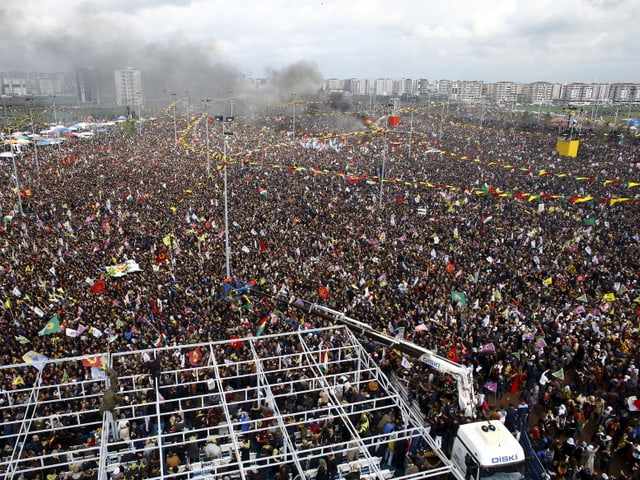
481, 244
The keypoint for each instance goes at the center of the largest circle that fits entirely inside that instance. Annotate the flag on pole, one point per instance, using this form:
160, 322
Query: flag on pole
453, 354
98, 287
71, 332
98, 373
488, 348
324, 358
92, 361
52, 326
491, 386
405, 363
262, 324
474, 278
36, 359
459, 297
194, 357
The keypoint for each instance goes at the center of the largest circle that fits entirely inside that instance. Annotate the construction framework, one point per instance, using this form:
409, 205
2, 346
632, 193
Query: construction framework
204, 393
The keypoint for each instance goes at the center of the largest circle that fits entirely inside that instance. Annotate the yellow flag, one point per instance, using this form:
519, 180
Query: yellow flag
7, 303
609, 296
547, 281
613, 201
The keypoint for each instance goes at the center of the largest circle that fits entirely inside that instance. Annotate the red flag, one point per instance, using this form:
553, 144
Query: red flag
323, 292
161, 257
99, 286
194, 357
235, 344
95, 361
263, 246
453, 354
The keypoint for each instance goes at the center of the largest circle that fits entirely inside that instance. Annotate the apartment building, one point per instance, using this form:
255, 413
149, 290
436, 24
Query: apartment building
128, 83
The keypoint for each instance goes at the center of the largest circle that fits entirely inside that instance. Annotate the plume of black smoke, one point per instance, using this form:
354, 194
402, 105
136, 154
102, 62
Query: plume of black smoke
174, 65
340, 102
301, 78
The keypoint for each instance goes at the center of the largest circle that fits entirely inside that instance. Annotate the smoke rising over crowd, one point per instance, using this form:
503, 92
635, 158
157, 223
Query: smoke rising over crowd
174, 64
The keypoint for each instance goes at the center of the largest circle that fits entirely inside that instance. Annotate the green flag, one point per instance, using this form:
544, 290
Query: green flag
589, 221
52, 326
262, 325
459, 297
582, 298
559, 374
474, 278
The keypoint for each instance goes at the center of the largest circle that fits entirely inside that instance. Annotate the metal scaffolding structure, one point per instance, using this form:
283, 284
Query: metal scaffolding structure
240, 395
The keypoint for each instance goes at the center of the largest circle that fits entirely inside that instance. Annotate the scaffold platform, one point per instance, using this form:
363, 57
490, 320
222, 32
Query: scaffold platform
230, 409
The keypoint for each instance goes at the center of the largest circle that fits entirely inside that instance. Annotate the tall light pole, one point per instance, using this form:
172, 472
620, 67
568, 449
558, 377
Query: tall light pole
33, 135
294, 115
188, 113
175, 128
410, 133
55, 117
139, 101
205, 104
230, 104
225, 134
384, 154
15, 176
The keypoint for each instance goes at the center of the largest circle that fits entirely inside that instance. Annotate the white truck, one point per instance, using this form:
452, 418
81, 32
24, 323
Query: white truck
488, 450
482, 450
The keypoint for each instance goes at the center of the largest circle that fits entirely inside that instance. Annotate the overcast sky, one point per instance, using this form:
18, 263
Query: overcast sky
489, 40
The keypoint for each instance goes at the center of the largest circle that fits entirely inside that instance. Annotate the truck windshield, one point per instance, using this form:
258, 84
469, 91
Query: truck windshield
503, 472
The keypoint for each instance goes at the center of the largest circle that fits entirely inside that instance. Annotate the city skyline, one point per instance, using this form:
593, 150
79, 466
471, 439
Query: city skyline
302, 43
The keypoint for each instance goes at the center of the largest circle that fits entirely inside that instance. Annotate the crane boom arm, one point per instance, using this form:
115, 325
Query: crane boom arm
462, 374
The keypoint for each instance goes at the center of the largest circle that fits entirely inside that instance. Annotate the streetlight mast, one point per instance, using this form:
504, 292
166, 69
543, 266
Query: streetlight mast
384, 153
205, 104
15, 176
294, 115
225, 133
55, 117
175, 128
33, 135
